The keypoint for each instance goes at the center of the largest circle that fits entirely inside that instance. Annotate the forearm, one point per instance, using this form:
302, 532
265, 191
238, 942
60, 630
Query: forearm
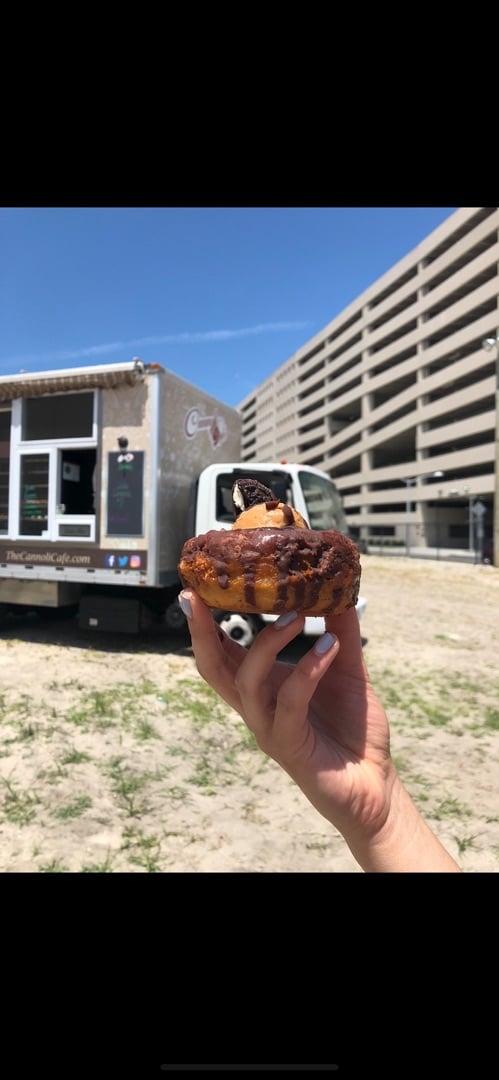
404, 844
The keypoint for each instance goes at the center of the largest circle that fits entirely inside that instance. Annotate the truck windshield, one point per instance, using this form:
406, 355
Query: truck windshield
323, 502
278, 482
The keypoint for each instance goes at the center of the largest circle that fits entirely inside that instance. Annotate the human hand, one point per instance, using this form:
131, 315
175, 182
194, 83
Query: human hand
319, 719
323, 723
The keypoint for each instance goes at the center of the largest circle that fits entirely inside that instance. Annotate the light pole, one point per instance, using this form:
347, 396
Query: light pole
470, 518
408, 481
493, 343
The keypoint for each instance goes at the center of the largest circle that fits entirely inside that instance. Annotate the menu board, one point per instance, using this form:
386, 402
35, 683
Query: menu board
125, 494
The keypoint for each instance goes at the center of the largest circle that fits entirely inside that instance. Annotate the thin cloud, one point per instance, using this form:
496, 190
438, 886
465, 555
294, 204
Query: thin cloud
186, 338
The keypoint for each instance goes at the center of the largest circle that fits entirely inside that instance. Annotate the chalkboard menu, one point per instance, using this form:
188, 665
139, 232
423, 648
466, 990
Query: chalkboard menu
125, 494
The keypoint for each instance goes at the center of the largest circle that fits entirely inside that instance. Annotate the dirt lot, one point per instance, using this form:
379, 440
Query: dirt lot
116, 757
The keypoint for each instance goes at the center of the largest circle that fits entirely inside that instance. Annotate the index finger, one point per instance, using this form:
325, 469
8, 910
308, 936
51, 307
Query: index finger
217, 656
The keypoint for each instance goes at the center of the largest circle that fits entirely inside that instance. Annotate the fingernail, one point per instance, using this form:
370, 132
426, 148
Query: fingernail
185, 604
324, 643
285, 619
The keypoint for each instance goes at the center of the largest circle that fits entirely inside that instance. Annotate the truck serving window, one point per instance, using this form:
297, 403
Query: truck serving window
323, 502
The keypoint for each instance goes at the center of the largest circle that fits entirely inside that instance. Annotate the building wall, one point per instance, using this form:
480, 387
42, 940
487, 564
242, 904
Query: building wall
396, 387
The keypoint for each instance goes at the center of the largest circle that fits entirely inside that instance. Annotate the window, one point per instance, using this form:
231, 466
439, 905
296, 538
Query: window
324, 503
58, 416
34, 494
279, 483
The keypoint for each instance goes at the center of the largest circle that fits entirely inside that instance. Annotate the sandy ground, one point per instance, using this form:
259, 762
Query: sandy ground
116, 757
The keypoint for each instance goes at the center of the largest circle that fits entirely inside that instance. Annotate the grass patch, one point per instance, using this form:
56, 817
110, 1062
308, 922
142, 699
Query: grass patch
122, 704
145, 730
73, 809
127, 785
105, 867
196, 701
144, 849
438, 699
465, 842
55, 866
52, 776
491, 718
450, 807
19, 806
75, 757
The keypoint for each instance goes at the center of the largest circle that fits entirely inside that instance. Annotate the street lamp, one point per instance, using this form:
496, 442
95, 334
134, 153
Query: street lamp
490, 343
408, 481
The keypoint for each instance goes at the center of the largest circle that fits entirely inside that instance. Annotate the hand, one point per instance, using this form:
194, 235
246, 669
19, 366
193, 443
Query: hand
320, 720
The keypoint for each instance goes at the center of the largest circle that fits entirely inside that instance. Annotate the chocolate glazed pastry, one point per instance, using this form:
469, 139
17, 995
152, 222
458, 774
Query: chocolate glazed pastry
271, 561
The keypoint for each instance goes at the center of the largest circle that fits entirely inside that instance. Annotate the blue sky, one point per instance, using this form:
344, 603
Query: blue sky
221, 296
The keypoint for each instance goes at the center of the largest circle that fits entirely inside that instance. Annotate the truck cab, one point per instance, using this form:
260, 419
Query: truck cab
312, 493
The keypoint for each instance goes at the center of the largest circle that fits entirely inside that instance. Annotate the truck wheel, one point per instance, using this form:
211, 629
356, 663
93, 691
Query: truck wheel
174, 617
241, 628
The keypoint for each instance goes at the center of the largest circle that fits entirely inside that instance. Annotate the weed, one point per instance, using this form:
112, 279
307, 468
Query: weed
145, 849
73, 809
195, 700
27, 731
465, 842
75, 757
450, 807
145, 730
19, 807
317, 845
52, 776
491, 718
126, 788
436, 714
204, 776
122, 704
126, 785
400, 764
55, 866
98, 868
24, 706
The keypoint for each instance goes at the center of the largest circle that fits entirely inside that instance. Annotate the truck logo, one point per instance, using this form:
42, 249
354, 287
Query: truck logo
214, 425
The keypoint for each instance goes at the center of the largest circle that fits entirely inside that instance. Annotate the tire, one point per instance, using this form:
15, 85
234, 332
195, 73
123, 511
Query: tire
240, 628
174, 618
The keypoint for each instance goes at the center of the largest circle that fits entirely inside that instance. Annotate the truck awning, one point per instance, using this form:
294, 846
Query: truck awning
53, 383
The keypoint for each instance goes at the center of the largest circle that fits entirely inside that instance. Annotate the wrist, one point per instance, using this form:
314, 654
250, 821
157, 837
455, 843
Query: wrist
404, 843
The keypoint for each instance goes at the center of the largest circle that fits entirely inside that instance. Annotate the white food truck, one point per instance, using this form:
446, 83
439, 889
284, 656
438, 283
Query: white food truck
105, 471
